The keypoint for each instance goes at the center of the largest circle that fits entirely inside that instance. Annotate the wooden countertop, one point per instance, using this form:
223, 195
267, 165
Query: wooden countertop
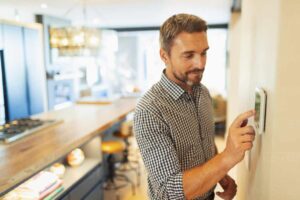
23, 158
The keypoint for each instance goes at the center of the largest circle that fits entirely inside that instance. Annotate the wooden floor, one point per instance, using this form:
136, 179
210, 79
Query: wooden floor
141, 191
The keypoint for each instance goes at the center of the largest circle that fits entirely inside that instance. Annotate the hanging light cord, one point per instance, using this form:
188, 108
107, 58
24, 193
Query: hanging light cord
78, 3
84, 11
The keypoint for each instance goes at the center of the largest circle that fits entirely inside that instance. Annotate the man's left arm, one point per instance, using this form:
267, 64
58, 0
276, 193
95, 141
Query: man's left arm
228, 184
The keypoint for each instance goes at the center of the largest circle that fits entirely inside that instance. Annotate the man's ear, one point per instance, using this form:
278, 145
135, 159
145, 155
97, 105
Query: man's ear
164, 56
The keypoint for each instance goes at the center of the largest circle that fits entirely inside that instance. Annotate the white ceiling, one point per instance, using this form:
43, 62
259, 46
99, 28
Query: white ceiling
120, 13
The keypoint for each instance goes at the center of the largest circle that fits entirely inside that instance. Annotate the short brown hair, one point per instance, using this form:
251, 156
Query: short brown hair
177, 24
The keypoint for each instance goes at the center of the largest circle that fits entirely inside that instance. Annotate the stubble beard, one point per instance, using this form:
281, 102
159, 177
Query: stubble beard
185, 78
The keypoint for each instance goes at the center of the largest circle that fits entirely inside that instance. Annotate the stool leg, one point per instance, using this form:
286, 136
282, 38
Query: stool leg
128, 164
126, 152
138, 175
117, 196
111, 171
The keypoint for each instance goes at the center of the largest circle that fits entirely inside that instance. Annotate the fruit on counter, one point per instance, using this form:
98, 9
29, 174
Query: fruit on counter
75, 157
58, 169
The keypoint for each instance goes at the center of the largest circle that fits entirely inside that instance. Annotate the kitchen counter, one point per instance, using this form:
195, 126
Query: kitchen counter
22, 159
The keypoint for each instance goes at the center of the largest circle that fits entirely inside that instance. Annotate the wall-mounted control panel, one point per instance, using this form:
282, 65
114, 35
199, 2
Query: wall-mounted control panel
260, 110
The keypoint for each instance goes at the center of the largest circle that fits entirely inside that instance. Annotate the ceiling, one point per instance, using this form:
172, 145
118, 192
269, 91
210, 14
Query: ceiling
119, 13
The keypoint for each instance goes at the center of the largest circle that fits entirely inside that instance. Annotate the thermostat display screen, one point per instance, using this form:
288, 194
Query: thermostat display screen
260, 110
257, 107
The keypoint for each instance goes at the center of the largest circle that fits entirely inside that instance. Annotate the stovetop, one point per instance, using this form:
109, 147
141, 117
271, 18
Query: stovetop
17, 129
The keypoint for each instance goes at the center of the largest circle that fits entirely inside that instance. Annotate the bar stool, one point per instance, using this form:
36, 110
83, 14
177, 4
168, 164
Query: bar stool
127, 165
113, 180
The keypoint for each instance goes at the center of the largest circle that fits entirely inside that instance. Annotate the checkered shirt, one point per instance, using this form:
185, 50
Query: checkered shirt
175, 132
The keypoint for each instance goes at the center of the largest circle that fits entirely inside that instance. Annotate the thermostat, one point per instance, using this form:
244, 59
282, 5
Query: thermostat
260, 110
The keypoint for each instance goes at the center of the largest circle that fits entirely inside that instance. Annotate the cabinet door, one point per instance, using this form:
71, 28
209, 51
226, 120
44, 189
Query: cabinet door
95, 194
15, 73
1, 37
2, 108
1, 60
86, 185
35, 71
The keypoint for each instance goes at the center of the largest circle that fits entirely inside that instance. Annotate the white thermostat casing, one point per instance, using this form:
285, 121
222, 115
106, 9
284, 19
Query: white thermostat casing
260, 110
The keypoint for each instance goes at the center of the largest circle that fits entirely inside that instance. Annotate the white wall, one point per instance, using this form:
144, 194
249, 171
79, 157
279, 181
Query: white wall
264, 52
285, 159
118, 13
21, 15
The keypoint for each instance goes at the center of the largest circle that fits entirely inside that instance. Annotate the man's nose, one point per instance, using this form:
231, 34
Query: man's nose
199, 62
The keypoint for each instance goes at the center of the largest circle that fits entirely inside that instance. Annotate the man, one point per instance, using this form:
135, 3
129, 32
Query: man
174, 126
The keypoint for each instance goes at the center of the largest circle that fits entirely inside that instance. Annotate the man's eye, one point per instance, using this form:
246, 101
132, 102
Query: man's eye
188, 56
203, 53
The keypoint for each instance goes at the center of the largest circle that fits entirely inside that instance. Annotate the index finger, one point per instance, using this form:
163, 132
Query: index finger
239, 120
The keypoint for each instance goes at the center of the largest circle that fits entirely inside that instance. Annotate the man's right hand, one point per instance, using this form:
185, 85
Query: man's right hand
240, 138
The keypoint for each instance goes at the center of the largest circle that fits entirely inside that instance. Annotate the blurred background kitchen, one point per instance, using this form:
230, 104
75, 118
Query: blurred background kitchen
55, 54
110, 48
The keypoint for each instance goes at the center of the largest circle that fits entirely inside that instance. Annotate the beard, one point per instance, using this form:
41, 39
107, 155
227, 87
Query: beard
187, 79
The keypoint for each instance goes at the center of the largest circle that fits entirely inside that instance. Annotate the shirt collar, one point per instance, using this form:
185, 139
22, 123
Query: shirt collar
171, 87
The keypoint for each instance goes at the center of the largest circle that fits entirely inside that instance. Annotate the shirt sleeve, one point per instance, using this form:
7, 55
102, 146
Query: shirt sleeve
159, 156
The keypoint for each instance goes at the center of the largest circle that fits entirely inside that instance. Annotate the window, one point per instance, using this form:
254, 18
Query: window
138, 59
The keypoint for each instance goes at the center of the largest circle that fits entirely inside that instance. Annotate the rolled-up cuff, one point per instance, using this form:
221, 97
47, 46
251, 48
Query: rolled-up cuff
175, 187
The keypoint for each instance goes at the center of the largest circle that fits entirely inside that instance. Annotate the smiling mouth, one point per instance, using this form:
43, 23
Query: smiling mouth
196, 73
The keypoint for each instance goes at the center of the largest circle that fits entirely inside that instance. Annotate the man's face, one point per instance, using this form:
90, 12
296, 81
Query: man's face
187, 58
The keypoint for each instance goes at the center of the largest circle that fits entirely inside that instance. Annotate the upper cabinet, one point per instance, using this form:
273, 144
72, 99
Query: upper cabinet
23, 72
2, 109
35, 70
15, 87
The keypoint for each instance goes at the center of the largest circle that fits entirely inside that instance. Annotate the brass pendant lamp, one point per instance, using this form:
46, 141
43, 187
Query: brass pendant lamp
76, 41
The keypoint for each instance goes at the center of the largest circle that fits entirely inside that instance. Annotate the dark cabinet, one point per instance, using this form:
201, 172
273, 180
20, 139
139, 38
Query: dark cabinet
85, 187
88, 188
96, 193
